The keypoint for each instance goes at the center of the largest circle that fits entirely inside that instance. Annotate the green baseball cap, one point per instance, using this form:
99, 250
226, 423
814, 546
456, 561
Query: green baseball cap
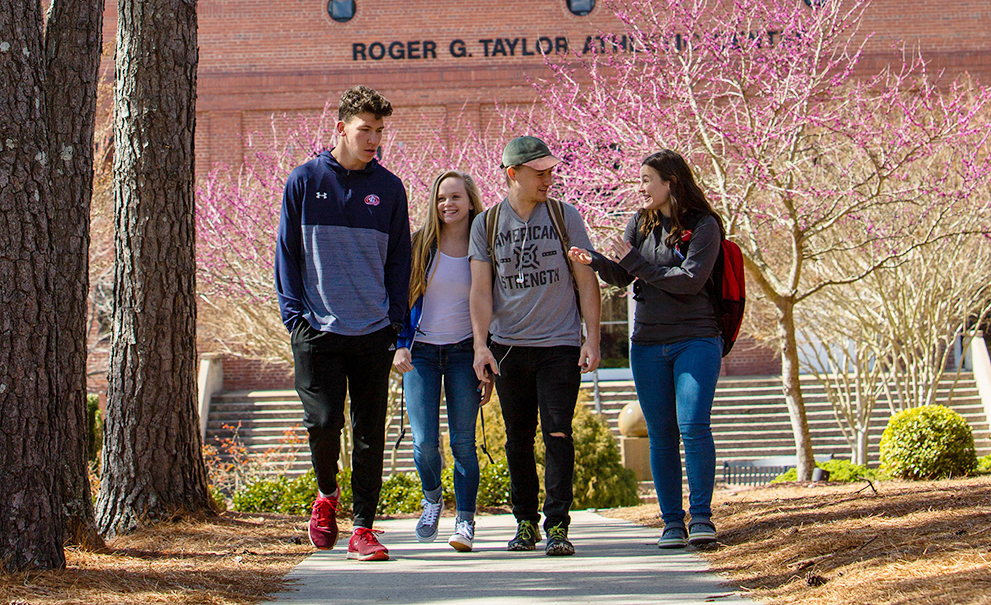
528, 151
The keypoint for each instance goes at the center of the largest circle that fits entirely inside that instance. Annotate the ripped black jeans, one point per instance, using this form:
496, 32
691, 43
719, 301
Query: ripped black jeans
544, 381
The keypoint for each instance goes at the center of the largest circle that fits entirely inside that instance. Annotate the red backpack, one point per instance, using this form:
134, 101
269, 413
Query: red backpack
730, 292
728, 288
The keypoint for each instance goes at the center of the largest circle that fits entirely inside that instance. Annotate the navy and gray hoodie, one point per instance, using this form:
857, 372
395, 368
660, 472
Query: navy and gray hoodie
342, 257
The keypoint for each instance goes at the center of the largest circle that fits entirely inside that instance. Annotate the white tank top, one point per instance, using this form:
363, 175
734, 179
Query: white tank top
446, 318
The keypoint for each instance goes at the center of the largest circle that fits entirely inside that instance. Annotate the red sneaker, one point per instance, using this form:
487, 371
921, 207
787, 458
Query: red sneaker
364, 546
323, 523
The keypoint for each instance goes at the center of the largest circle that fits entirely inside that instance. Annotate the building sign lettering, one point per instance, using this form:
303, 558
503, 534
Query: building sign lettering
484, 47
398, 50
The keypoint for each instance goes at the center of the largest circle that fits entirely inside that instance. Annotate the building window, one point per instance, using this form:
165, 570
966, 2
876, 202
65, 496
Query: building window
341, 10
581, 7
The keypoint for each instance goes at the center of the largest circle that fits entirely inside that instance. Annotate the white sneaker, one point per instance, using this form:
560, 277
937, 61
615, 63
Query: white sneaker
464, 535
426, 527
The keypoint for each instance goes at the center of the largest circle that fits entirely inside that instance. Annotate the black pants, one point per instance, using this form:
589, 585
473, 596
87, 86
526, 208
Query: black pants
328, 366
544, 381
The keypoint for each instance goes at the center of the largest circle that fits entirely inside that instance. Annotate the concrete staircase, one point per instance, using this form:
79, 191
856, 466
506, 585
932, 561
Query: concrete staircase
749, 420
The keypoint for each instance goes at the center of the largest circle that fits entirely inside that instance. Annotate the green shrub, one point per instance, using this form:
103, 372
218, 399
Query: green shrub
601, 480
262, 496
840, 471
984, 465
219, 502
928, 442
493, 484
94, 427
401, 493
288, 496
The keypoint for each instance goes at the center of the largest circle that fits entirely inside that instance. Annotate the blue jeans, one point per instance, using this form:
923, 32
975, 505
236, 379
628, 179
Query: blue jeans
453, 363
676, 384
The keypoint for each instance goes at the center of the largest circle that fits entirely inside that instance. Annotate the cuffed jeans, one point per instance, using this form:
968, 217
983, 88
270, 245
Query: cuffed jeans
328, 367
453, 364
676, 384
544, 381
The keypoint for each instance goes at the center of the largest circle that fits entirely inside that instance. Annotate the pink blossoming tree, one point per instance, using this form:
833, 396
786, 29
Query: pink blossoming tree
806, 156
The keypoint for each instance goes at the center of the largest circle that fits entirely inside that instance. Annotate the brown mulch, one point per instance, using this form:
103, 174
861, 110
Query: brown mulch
908, 542
923, 542
231, 558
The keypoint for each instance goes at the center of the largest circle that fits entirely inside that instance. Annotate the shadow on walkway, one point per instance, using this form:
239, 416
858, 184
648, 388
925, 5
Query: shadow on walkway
616, 562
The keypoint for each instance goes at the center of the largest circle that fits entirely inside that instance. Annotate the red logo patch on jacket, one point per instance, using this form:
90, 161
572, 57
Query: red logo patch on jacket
372, 200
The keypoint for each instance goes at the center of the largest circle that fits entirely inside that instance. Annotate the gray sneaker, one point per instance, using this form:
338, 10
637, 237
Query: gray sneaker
426, 527
464, 535
701, 533
673, 537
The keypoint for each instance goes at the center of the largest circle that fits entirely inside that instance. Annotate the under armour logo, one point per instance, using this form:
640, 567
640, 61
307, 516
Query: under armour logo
321, 195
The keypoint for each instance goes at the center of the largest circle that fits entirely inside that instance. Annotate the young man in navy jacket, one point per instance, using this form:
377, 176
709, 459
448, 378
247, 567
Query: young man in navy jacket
342, 267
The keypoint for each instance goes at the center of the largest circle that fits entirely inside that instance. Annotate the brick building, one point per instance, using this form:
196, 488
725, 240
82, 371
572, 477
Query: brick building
444, 57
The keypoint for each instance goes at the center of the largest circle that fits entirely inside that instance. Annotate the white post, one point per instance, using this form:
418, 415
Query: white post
982, 370
210, 382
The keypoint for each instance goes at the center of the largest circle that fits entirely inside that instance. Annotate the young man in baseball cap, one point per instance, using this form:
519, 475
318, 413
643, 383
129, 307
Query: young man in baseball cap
527, 327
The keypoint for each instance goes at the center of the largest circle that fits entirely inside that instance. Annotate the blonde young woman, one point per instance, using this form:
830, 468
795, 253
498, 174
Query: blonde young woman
435, 346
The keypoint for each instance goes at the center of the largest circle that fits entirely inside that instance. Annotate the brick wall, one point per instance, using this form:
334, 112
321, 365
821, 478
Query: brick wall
259, 58
749, 358
241, 374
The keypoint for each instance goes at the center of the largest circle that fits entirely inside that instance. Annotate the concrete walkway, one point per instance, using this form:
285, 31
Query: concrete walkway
616, 562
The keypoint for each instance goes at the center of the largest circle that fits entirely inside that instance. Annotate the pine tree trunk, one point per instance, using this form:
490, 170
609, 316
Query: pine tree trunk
153, 465
31, 527
73, 44
793, 389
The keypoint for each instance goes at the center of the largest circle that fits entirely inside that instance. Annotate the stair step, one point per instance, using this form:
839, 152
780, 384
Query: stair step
749, 420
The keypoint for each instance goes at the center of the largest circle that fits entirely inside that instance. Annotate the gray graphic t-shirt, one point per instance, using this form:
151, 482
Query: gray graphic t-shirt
533, 299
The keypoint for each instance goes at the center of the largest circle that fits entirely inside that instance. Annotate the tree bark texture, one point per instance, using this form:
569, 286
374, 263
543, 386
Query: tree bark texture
791, 382
73, 45
153, 465
31, 528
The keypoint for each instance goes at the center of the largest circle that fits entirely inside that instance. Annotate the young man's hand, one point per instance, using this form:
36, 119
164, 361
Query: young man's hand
589, 357
485, 365
403, 360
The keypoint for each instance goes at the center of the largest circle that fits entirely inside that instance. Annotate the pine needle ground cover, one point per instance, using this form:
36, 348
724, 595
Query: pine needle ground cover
908, 542
231, 558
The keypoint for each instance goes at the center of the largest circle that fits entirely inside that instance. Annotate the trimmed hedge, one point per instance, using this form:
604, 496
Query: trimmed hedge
928, 442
